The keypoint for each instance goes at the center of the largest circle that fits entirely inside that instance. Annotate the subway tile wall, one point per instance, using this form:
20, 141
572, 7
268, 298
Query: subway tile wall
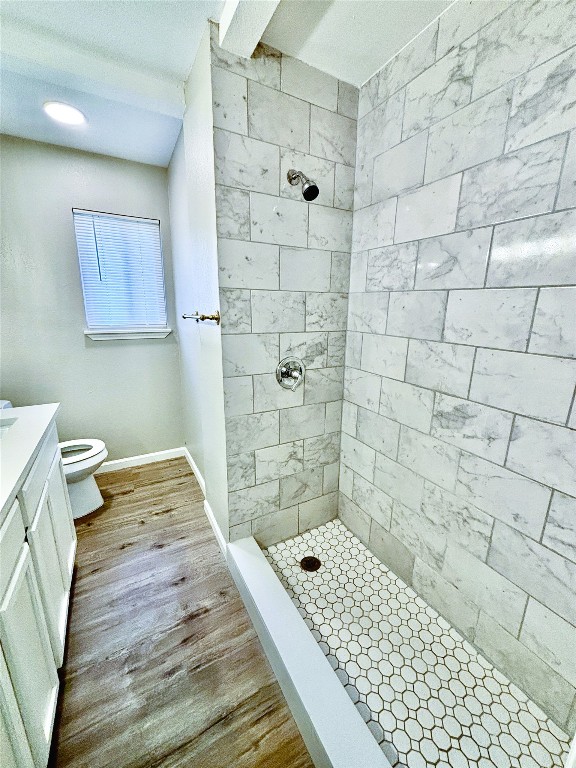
458, 454
284, 270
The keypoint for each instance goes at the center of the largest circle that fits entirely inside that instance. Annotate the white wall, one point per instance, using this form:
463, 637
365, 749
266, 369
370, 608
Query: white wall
198, 284
124, 392
183, 249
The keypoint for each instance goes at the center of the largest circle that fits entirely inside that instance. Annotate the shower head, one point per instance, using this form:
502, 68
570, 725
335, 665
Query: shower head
310, 190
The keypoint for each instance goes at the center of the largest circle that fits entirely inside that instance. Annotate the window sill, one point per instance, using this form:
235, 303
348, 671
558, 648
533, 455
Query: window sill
140, 333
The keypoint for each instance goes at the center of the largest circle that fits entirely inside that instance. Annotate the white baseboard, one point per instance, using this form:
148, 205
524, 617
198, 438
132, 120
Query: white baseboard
172, 453
201, 482
136, 461
150, 458
207, 508
215, 527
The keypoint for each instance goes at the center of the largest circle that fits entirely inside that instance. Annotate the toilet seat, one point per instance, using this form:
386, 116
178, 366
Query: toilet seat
83, 450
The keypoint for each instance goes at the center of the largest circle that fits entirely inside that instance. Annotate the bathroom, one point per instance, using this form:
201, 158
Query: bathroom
385, 383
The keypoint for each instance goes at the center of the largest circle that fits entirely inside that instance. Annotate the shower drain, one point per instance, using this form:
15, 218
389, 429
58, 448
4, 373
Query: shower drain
310, 563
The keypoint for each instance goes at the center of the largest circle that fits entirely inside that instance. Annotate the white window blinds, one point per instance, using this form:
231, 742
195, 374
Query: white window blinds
122, 272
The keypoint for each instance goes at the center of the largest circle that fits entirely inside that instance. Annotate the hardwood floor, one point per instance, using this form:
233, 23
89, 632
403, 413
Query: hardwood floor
163, 667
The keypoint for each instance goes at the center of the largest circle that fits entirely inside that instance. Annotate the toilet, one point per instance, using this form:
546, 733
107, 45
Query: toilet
81, 458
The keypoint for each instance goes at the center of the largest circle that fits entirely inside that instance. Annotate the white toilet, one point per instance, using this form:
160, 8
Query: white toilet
81, 458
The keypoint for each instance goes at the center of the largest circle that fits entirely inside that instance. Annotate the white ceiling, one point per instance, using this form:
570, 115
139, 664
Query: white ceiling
121, 62
112, 128
161, 36
350, 39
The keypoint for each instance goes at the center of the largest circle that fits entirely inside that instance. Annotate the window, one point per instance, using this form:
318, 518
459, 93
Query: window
122, 275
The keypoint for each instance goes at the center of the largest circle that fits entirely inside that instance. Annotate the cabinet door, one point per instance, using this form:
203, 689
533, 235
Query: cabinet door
62, 521
53, 591
14, 748
26, 645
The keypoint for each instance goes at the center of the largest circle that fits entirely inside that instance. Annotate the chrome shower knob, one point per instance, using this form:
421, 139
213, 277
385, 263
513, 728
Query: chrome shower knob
290, 373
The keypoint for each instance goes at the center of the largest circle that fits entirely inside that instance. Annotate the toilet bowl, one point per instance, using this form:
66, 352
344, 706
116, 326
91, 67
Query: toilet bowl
81, 458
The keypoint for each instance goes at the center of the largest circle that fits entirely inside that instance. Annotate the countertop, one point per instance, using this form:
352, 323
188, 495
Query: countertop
19, 446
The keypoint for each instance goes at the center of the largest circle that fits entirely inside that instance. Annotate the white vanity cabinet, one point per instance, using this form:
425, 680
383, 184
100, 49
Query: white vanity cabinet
37, 548
14, 747
52, 541
24, 637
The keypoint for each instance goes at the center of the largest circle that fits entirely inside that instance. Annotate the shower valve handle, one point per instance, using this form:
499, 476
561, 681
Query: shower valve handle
290, 373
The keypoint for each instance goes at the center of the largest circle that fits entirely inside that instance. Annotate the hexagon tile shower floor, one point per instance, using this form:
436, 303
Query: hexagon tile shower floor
428, 697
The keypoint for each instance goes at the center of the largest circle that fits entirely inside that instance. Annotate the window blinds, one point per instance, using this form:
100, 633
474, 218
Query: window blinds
122, 271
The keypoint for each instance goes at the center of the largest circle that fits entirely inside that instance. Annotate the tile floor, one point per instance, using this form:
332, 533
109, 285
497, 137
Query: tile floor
427, 696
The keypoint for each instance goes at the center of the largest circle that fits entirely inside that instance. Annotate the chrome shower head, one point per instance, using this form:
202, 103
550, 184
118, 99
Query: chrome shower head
310, 189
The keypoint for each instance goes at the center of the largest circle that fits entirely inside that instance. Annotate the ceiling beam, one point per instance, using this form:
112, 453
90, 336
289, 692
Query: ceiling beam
242, 24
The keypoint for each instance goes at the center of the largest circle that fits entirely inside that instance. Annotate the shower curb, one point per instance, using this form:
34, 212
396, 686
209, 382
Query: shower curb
331, 726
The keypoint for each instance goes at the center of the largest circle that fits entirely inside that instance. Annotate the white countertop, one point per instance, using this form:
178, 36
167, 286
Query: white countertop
19, 444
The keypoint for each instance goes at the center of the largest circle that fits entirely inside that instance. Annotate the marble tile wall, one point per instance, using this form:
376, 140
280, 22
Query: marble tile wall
284, 275
458, 458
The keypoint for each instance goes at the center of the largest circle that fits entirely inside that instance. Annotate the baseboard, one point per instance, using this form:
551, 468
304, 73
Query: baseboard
207, 508
201, 482
136, 461
215, 527
172, 453
150, 458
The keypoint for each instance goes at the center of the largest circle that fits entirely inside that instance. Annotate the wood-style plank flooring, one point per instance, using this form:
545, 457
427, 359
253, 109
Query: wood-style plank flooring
163, 667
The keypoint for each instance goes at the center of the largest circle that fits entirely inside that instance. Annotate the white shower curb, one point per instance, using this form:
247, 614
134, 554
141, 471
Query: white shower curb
331, 726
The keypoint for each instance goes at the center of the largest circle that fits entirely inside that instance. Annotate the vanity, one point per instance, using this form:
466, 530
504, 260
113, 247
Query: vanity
37, 549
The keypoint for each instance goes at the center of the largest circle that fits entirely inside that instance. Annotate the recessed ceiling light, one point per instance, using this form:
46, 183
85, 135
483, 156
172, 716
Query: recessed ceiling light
64, 113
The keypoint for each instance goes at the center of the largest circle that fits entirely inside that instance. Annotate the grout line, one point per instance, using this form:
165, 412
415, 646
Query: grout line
528, 596
472, 372
469, 168
459, 203
512, 426
529, 338
406, 359
287, 148
546, 516
482, 225
249, 218
402, 137
435, 397
473, 100
571, 410
426, 156
292, 96
462, 290
512, 90
491, 534
489, 256
416, 263
437, 341
445, 315
397, 448
562, 164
